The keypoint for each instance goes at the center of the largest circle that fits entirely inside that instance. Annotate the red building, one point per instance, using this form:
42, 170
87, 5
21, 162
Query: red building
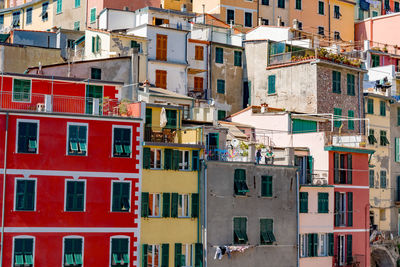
70, 179
348, 173
390, 6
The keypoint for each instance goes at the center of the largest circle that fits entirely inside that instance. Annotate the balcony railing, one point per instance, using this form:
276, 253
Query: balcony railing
67, 104
197, 93
346, 140
172, 135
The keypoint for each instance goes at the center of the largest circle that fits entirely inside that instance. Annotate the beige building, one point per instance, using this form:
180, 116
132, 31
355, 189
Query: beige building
274, 12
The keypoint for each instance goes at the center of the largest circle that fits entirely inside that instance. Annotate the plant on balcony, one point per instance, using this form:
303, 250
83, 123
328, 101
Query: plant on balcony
385, 49
123, 107
375, 48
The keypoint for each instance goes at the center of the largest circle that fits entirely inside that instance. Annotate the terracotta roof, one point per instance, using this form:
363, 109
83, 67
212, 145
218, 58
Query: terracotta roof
211, 20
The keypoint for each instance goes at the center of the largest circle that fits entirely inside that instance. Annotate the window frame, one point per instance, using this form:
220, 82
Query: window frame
233, 229
370, 106
153, 247
217, 57
87, 137
239, 55
321, 198
45, 17
380, 179
112, 143
219, 90
266, 181
319, 8
351, 84
271, 91
84, 194
91, 10
273, 228
33, 247
181, 197
300, 5
155, 158
382, 108
342, 250
15, 193
321, 30
110, 250
336, 13
13, 91
342, 210
323, 246
152, 209
130, 195
245, 19
182, 159
29, 13
63, 247
94, 70
350, 122
37, 135
59, 7
336, 82
281, 4
199, 50
227, 11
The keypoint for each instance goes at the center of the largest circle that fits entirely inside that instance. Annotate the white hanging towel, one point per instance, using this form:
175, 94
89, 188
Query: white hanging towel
163, 118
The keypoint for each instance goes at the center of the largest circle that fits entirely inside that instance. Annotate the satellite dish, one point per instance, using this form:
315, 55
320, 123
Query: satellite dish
235, 142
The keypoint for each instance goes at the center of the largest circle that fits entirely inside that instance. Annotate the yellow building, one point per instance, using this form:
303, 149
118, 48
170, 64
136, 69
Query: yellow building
180, 5
170, 225
383, 211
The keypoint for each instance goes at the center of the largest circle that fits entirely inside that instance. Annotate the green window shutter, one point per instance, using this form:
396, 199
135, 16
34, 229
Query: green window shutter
310, 168
164, 255
303, 126
271, 84
370, 106
238, 58
167, 159
97, 44
75, 196
77, 3
350, 84
240, 230
221, 86
350, 114
93, 15
25, 195
27, 137
195, 160
398, 116
336, 82
323, 202
337, 112
349, 208
315, 245
266, 186
349, 249
176, 158
310, 245
240, 184
59, 6
267, 236
375, 60
349, 169
383, 179
174, 205
336, 168
198, 255
93, 44
397, 149
166, 204
219, 55
371, 178
320, 7
303, 202
120, 197
144, 255
382, 108
145, 204
195, 205
221, 114
331, 244
298, 4
178, 254
337, 203
149, 117
146, 158
171, 119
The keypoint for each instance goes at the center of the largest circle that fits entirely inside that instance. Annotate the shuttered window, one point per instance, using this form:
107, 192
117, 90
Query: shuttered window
336, 165
323, 202
166, 202
321, 8
271, 84
312, 245
349, 248
375, 60
219, 55
77, 140
267, 236
383, 139
93, 92
238, 58
161, 79
195, 160
281, 3
178, 255
23, 252
161, 50
75, 196
27, 137
198, 84
349, 208
266, 186
121, 196
240, 230
168, 159
195, 205
298, 4
221, 86
146, 157
371, 137
25, 194
221, 115
145, 205
370, 106
59, 10
350, 84
383, 179
164, 255
371, 178
144, 255
303, 202
382, 107
350, 123
349, 169
199, 52
303, 126
336, 78
22, 90
198, 255
337, 112
240, 185
172, 118
331, 246
397, 149
73, 252
174, 205
119, 252
122, 142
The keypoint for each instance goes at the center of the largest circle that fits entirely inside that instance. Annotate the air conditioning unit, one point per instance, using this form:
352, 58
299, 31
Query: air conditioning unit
40, 107
317, 182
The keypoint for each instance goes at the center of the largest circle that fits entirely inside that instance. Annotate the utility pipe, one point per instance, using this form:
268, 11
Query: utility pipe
4, 193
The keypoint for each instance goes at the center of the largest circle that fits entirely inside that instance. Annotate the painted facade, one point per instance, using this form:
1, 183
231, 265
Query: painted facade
274, 12
364, 10
181, 5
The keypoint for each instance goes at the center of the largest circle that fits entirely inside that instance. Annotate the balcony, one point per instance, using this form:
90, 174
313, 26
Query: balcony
197, 93
172, 135
68, 104
345, 140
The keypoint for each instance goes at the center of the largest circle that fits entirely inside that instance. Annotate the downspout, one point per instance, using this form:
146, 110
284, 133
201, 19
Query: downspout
208, 73
210, 62
1, 91
187, 63
359, 103
4, 192
205, 213
297, 218
329, 19
258, 12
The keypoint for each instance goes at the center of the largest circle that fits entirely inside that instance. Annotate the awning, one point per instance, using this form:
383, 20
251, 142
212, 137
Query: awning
80, 40
195, 71
4, 37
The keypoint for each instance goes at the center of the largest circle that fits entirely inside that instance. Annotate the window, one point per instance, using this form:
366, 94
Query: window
375, 60
171, 118
281, 3
341, 250
16, 23
248, 19
382, 108
265, 2
59, 6
1, 21
382, 215
119, 251
25, 194
271, 84
195, 205
186, 255
371, 178
22, 90
195, 160
336, 79
121, 196
398, 116
95, 73
303, 202
73, 251
23, 251
45, 15
360, 14
122, 142
321, 30
336, 12
155, 158
303, 245
28, 132
77, 26
322, 245
151, 253
370, 106
350, 84
238, 58
266, 186
135, 44
312, 245
240, 185
174, 205
161, 79
336, 36
374, 13
70, 43
349, 247
371, 137
230, 16
383, 139
96, 44
240, 230
350, 123
337, 112
300, 24
298, 4
323, 202
221, 86
184, 160
77, 3
264, 22
161, 49
340, 209
267, 236
154, 205
396, 7
77, 140
94, 93
199, 52
219, 55
75, 197
397, 149
343, 165
221, 114
28, 16
183, 206
383, 179
321, 8
93, 15
387, 5
198, 84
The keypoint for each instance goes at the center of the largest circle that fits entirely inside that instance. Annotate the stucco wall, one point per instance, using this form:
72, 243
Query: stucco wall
394, 166
272, 12
222, 206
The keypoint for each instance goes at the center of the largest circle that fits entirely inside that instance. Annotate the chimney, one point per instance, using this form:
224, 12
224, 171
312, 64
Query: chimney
146, 86
279, 20
259, 21
295, 24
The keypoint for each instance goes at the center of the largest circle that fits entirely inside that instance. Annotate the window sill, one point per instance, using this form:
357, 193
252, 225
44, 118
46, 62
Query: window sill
272, 94
74, 210
154, 217
121, 211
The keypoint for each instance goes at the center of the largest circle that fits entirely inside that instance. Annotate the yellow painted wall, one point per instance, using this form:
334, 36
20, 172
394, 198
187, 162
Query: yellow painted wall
156, 112
344, 25
177, 4
158, 181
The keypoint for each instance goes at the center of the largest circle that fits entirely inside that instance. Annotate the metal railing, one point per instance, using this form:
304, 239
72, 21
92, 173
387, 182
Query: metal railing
172, 135
345, 139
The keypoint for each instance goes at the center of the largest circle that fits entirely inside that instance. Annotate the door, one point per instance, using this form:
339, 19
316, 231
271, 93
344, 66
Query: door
92, 92
246, 94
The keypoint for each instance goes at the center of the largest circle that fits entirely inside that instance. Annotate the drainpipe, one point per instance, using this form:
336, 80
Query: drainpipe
359, 103
187, 63
205, 213
329, 19
1, 91
258, 13
4, 193
210, 62
297, 217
